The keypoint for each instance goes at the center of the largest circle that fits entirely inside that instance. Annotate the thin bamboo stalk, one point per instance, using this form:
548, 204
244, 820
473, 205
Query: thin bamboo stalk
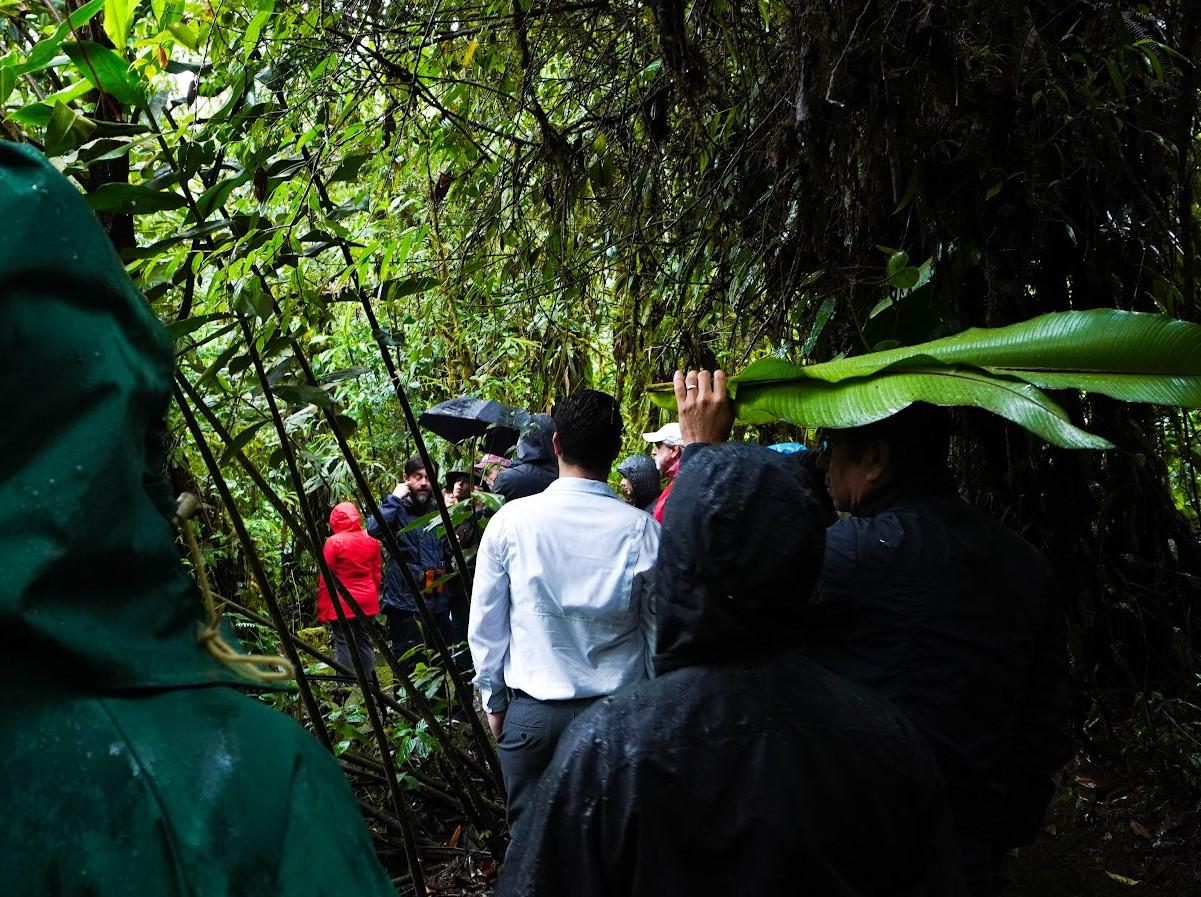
389, 539
461, 693
377, 726
425, 711
256, 568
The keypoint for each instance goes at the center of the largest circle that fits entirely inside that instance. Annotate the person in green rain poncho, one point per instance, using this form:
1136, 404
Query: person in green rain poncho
129, 765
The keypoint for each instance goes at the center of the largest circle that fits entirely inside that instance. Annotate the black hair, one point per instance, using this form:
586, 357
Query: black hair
415, 464
918, 438
589, 425
454, 476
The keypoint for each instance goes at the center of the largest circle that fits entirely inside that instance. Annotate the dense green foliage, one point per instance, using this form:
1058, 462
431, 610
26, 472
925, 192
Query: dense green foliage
536, 194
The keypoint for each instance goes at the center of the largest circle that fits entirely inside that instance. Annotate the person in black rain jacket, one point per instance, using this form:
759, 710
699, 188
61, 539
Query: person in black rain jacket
951, 616
536, 466
744, 767
425, 552
939, 608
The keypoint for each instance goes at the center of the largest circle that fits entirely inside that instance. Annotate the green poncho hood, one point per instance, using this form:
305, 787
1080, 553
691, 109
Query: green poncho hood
92, 591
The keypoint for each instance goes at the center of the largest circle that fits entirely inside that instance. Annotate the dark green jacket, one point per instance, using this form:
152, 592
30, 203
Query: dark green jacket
130, 766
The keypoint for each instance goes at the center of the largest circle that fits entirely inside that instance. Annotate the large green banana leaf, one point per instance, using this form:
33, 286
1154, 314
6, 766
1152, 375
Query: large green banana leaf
1128, 356
852, 403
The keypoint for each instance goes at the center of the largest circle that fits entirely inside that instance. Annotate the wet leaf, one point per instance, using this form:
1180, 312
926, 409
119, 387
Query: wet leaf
1139, 829
1122, 878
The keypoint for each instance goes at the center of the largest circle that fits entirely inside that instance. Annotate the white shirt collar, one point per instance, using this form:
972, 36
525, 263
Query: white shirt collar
579, 484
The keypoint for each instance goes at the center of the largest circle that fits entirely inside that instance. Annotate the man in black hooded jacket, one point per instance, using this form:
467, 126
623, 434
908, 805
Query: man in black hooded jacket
942, 610
743, 768
536, 466
951, 616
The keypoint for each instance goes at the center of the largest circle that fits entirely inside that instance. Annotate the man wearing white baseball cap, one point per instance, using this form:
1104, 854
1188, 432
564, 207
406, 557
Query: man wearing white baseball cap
669, 446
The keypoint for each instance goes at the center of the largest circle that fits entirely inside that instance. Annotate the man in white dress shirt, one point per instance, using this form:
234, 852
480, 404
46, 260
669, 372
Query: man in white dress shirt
554, 623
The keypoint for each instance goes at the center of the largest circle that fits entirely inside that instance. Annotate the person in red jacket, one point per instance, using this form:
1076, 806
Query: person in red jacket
355, 559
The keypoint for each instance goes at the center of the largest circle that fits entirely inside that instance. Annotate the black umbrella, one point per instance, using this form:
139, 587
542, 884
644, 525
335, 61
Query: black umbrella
467, 418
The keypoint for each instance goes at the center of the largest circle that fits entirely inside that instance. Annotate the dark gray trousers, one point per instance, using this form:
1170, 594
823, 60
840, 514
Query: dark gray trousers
362, 639
527, 743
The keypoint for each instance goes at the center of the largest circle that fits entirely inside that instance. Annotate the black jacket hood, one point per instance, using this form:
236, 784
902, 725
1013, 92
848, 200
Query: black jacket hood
534, 446
536, 467
740, 552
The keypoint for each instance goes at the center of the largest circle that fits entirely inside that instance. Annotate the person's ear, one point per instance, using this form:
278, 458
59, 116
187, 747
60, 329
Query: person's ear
877, 461
554, 441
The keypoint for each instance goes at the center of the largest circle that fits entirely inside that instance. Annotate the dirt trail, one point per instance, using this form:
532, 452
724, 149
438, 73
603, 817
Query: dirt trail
1105, 839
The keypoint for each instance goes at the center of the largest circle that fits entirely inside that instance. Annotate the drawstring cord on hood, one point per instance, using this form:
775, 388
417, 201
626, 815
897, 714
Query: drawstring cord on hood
210, 635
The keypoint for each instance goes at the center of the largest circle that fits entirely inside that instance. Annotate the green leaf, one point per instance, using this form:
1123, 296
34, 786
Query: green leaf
1121, 346
8, 81
304, 395
859, 401
102, 150
179, 329
218, 364
348, 169
167, 12
216, 195
1127, 356
398, 289
66, 130
120, 129
820, 320
255, 28
1123, 879
46, 51
38, 114
240, 441
118, 15
183, 236
133, 199
187, 34
905, 279
107, 71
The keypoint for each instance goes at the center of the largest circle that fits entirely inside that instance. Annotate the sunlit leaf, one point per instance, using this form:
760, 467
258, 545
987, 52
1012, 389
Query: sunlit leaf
1122, 879
118, 15
186, 34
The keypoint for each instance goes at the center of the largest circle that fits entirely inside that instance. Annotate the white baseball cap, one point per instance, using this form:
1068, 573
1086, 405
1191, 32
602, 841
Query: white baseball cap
669, 433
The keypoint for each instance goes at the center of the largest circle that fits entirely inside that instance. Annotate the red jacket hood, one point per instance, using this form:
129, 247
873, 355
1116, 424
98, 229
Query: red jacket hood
345, 518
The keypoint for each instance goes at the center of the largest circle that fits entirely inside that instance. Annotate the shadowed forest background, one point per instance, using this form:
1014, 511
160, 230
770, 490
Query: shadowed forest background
338, 207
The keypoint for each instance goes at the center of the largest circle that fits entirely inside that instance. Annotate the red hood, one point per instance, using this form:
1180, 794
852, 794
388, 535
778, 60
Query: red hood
345, 517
